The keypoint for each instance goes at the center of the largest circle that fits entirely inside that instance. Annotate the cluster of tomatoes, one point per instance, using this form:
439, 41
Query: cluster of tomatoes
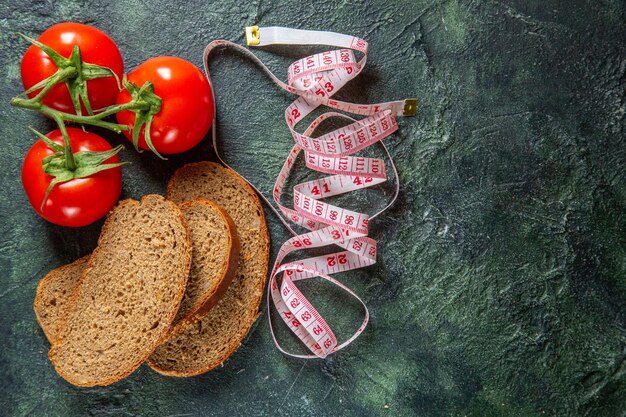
183, 119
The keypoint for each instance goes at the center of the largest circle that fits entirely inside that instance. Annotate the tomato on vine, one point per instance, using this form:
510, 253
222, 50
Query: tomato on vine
81, 65
72, 189
72, 177
185, 111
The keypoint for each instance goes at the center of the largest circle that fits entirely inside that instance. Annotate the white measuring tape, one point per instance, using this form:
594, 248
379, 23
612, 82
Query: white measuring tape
315, 79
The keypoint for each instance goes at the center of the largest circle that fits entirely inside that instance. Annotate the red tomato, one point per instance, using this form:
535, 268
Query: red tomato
96, 48
187, 108
77, 202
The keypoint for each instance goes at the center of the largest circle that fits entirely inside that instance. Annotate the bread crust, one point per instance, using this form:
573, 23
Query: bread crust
216, 293
122, 373
39, 295
264, 244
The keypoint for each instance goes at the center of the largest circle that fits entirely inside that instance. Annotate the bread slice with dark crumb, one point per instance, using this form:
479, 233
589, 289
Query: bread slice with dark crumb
214, 261
129, 294
214, 338
53, 295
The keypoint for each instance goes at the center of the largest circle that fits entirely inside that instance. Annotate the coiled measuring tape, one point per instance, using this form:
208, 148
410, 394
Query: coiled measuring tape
315, 79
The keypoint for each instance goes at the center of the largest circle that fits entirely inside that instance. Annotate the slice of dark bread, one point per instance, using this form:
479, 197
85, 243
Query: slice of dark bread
53, 295
214, 338
128, 296
214, 261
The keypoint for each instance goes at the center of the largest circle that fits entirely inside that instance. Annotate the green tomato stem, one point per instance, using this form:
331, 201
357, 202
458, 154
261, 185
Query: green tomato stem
70, 163
59, 77
94, 120
131, 105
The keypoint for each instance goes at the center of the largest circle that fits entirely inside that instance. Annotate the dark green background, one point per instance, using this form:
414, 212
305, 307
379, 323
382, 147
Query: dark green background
501, 283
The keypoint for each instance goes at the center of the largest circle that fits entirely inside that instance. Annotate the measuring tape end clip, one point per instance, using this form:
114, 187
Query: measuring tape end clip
410, 107
253, 36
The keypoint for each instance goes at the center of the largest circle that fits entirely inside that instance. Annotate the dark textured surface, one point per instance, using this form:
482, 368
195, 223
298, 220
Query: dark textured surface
501, 283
